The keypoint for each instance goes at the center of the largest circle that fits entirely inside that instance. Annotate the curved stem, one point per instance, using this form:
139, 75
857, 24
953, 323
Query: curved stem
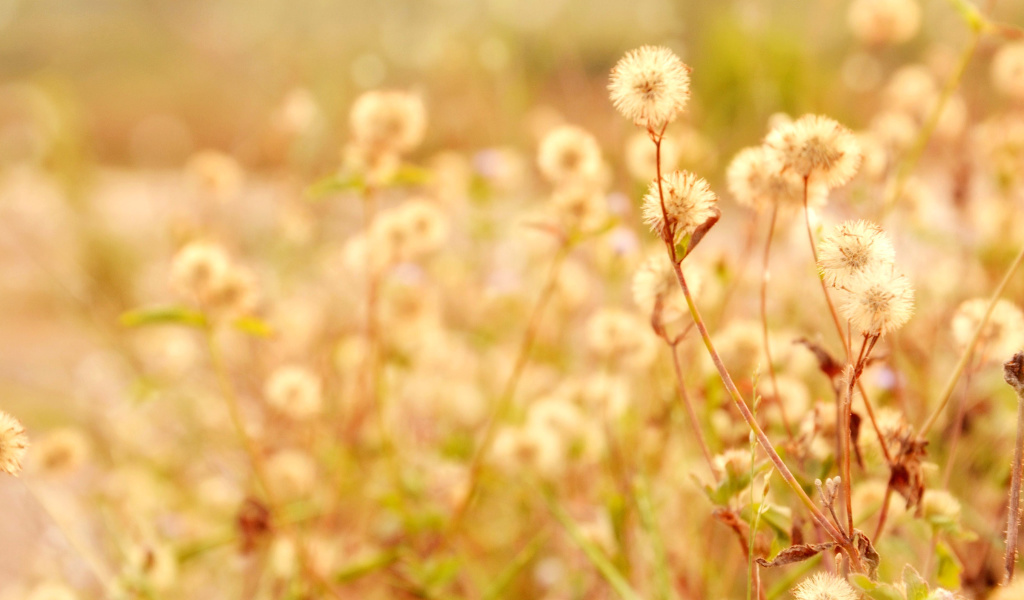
947, 391
910, 161
1013, 511
235, 412
766, 444
846, 457
824, 288
98, 568
882, 516
694, 422
958, 426
508, 392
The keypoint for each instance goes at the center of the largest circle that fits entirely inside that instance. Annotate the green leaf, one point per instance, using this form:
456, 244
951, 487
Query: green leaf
593, 553
874, 589
409, 175
254, 326
731, 484
522, 559
917, 588
163, 315
949, 568
333, 184
365, 566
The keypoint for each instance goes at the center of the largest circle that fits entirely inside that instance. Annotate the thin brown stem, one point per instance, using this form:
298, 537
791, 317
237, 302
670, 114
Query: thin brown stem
684, 399
1014, 375
824, 288
845, 458
882, 515
235, 413
874, 422
818, 516
958, 425
255, 458
765, 276
668, 237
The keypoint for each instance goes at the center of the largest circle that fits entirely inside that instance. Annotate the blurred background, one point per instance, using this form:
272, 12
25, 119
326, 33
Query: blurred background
147, 82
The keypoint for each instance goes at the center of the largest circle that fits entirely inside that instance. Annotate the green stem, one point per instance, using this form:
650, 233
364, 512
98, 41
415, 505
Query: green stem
508, 392
910, 161
965, 357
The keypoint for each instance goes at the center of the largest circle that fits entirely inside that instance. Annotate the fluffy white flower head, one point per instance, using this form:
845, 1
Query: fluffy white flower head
650, 86
819, 148
689, 202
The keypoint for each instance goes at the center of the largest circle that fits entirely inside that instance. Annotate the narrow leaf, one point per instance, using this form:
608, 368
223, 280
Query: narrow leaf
163, 315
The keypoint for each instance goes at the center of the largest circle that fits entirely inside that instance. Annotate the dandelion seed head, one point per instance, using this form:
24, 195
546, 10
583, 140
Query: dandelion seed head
199, 269
236, 295
735, 462
1008, 70
650, 86
878, 301
534, 447
615, 334
569, 154
60, 451
824, 586
878, 22
756, 179
911, 89
406, 233
388, 121
853, 248
294, 391
1003, 334
13, 444
941, 505
580, 208
689, 202
896, 130
216, 174
819, 148
291, 473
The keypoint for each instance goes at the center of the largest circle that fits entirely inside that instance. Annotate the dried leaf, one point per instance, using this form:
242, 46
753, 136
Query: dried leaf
868, 554
701, 231
253, 522
796, 534
828, 365
794, 554
855, 421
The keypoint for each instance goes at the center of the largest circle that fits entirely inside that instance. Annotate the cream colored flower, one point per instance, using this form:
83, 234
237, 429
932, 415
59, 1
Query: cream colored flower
569, 154
689, 202
824, 586
819, 148
853, 248
13, 444
294, 391
884, 21
878, 301
756, 179
388, 121
1008, 70
650, 86
1003, 334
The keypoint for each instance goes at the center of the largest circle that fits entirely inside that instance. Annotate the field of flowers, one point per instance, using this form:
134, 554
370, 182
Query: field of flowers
472, 300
